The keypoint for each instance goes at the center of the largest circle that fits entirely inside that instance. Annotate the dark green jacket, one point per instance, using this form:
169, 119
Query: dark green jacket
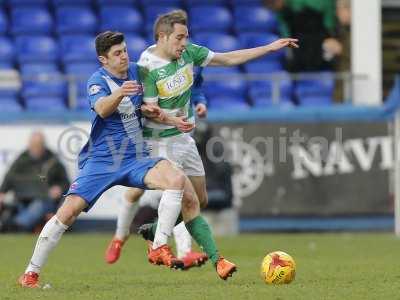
31, 178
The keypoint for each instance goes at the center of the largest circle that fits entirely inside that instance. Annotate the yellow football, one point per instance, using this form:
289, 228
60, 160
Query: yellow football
278, 267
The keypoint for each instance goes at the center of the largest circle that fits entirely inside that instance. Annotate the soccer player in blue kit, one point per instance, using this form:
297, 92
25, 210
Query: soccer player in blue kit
116, 154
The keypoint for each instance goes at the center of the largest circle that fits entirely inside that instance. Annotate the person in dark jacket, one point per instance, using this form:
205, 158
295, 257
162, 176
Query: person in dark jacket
32, 187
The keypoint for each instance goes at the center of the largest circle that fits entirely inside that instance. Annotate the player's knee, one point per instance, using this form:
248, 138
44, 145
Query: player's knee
176, 180
132, 195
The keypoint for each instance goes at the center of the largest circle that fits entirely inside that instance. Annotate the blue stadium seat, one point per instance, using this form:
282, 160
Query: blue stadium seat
221, 18
254, 19
218, 42
77, 48
82, 103
45, 104
31, 20
261, 91
71, 2
81, 72
44, 84
10, 104
7, 53
3, 22
36, 49
260, 67
75, 19
27, 69
151, 13
227, 83
176, 3
255, 39
14, 3
135, 44
118, 2
247, 2
317, 90
190, 3
122, 18
228, 103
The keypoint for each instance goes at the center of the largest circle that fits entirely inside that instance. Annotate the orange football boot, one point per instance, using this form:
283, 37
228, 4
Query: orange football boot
225, 268
113, 251
163, 256
194, 259
29, 280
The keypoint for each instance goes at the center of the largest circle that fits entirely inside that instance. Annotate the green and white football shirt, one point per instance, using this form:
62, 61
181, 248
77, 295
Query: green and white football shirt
169, 84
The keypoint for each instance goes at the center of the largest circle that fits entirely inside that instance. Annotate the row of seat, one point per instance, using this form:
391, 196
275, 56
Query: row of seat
13, 3
81, 19
80, 48
221, 86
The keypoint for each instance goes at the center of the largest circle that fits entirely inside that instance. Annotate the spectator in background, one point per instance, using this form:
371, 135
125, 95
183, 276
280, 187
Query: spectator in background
313, 23
343, 14
37, 181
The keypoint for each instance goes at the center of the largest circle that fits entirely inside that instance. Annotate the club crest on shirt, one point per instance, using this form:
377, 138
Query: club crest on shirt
94, 89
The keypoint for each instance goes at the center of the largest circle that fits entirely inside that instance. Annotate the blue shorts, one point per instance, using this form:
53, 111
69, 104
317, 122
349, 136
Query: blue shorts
95, 177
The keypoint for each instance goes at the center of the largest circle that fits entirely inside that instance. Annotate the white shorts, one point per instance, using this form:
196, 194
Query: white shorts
181, 150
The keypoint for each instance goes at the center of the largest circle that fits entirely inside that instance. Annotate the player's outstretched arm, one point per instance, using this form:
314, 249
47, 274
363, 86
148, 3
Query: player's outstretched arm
105, 106
242, 56
154, 112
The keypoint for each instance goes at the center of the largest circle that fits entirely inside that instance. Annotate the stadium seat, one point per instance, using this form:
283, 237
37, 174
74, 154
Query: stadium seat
3, 22
218, 42
44, 84
260, 67
14, 3
77, 48
151, 13
247, 2
255, 39
224, 81
190, 3
317, 90
81, 72
135, 44
75, 19
227, 103
121, 18
31, 20
82, 103
118, 2
176, 3
10, 104
261, 91
37, 67
254, 19
36, 49
221, 18
45, 104
71, 2
7, 53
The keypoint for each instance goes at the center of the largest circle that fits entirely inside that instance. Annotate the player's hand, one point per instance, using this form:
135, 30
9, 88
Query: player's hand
130, 88
282, 43
201, 110
182, 124
152, 111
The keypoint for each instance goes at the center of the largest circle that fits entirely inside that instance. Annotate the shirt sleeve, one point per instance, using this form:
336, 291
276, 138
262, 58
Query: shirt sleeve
201, 55
197, 91
150, 92
96, 89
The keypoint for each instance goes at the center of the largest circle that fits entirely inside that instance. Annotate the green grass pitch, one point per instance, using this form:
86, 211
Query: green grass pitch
329, 266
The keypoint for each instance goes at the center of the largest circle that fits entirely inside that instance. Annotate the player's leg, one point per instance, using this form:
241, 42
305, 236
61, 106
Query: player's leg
49, 238
124, 221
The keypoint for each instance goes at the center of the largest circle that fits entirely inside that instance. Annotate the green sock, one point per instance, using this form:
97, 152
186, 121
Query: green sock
201, 233
154, 227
